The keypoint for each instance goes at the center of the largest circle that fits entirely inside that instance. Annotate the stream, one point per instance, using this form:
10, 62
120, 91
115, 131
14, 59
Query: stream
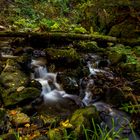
54, 98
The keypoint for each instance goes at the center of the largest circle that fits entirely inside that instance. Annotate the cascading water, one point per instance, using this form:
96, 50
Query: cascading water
111, 118
54, 96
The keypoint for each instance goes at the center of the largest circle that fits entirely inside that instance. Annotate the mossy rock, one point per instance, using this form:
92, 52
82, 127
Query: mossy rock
83, 117
63, 57
77, 73
132, 64
12, 76
125, 57
89, 46
116, 54
115, 57
125, 29
22, 98
69, 84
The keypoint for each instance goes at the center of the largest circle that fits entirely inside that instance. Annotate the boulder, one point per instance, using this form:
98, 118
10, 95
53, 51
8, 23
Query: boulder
87, 46
12, 76
63, 57
83, 117
21, 97
116, 54
14, 84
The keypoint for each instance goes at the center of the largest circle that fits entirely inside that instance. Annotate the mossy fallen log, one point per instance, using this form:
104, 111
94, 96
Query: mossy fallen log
44, 37
59, 36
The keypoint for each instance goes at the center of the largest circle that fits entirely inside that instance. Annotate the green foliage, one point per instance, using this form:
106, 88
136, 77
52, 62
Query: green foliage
131, 108
126, 50
99, 133
62, 4
46, 24
24, 24
24, 8
80, 30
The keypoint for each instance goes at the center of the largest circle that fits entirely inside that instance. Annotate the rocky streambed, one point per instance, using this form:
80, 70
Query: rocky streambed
59, 92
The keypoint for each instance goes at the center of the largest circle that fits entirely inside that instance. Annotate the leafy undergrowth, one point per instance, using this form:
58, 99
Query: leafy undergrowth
38, 16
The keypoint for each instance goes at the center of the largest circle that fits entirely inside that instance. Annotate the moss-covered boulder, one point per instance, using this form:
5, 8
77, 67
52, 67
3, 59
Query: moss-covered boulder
12, 76
69, 84
125, 57
132, 64
20, 97
14, 84
89, 46
117, 54
125, 29
118, 18
83, 118
63, 57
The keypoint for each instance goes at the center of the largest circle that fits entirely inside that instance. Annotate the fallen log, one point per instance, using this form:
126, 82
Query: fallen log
59, 36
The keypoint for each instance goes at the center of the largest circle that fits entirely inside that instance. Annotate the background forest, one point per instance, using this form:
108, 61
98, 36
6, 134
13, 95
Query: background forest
116, 18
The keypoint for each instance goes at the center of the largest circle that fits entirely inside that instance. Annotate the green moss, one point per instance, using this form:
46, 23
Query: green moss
12, 76
13, 97
83, 117
124, 29
65, 57
89, 46
121, 53
79, 30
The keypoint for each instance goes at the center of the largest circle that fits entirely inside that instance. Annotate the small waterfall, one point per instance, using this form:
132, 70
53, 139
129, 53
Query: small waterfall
121, 120
53, 95
94, 64
40, 71
45, 86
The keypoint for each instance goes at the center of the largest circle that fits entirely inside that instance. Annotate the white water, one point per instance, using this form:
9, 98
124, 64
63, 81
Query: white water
51, 91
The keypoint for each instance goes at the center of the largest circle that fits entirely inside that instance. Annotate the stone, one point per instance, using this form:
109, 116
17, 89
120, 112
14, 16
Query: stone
12, 76
117, 54
83, 117
14, 84
22, 98
65, 57
87, 46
